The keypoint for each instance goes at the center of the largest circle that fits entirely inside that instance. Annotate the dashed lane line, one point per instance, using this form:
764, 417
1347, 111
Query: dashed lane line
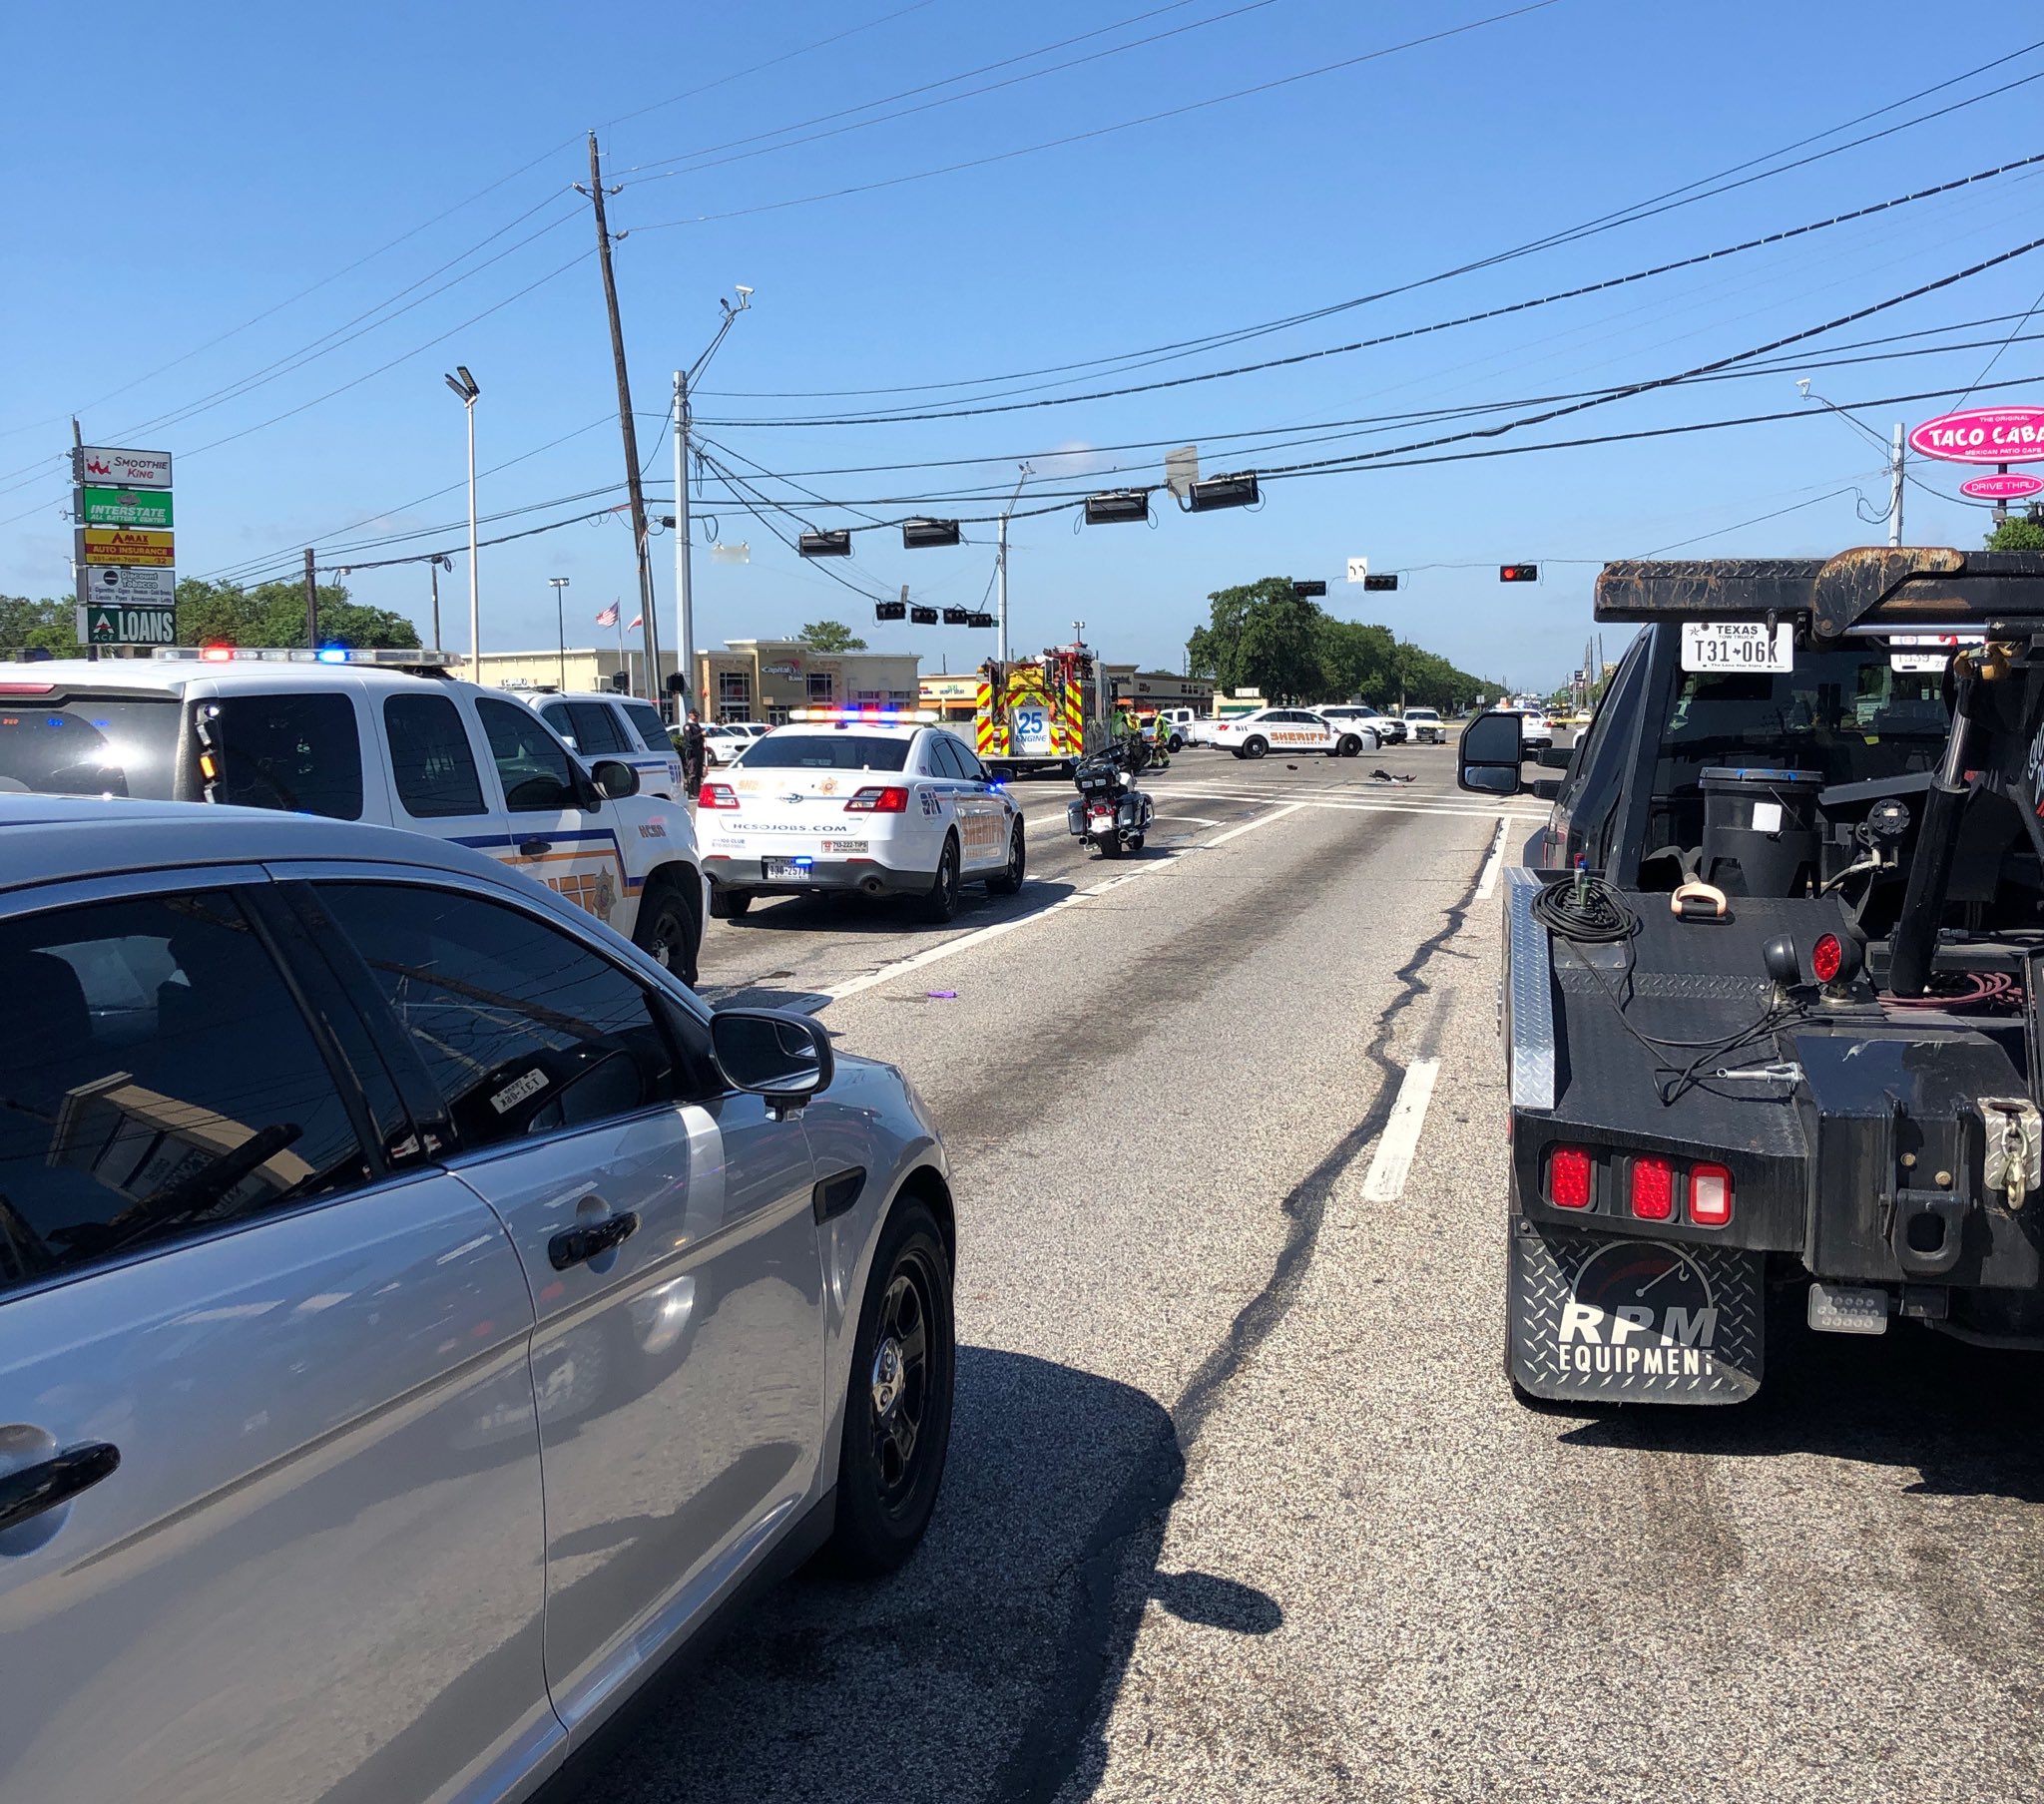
1487, 883
1395, 1150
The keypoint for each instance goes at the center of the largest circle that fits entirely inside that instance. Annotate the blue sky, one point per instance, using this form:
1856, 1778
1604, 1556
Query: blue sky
181, 175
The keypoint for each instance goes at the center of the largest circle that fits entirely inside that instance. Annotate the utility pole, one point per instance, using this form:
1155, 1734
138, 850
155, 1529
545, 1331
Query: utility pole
1001, 565
633, 486
311, 602
685, 604
1895, 488
434, 566
84, 615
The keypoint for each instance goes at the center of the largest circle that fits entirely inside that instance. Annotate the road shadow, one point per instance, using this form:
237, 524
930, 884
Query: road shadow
1969, 1421
894, 917
975, 1672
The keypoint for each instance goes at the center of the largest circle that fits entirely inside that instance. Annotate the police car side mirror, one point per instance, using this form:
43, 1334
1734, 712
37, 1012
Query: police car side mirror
1488, 755
615, 778
773, 1053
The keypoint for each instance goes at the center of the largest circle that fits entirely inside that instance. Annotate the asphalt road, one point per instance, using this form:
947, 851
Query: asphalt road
1239, 1503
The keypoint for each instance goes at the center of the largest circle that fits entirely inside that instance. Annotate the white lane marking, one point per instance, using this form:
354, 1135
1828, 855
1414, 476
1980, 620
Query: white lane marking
1198, 820
1394, 1163
903, 967
1487, 883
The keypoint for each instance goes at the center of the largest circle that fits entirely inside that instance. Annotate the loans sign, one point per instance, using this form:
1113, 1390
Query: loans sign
124, 506
110, 625
1983, 435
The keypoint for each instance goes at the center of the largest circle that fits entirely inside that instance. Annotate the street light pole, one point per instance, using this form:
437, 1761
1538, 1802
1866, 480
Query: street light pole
467, 389
685, 600
1893, 447
1002, 565
561, 627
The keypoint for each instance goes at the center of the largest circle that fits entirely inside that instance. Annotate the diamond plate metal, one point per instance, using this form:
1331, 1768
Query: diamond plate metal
1673, 1357
1529, 995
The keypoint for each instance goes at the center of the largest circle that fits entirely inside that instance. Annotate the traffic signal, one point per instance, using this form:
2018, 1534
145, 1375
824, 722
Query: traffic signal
918, 534
977, 619
922, 617
1305, 587
890, 610
958, 617
1518, 573
826, 543
1390, 580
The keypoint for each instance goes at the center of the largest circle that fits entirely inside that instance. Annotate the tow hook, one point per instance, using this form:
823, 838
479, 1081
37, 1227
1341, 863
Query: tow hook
2015, 1161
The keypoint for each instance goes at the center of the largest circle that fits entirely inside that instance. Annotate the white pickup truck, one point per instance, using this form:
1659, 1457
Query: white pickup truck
363, 736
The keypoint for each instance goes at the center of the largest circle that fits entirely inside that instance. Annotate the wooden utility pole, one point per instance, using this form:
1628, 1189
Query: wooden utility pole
634, 487
311, 602
84, 614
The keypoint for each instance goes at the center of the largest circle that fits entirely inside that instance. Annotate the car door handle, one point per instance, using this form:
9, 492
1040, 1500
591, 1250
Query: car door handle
575, 1244
837, 1195
45, 1485
531, 849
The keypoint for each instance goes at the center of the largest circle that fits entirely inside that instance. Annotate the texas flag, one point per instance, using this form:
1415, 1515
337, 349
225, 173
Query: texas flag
638, 620
608, 616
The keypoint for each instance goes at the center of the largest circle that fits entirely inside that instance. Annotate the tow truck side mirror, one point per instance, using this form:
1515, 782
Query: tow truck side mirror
1488, 755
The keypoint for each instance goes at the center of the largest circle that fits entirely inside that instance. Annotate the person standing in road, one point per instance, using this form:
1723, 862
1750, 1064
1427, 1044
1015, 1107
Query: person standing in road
693, 754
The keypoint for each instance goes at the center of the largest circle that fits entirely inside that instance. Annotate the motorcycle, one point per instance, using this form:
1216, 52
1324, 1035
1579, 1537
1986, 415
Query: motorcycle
1111, 812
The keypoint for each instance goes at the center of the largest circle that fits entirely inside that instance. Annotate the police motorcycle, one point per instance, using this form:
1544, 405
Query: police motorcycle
1112, 814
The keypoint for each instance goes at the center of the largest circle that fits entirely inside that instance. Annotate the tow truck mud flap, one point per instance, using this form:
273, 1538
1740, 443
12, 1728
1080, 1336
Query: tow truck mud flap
1642, 1321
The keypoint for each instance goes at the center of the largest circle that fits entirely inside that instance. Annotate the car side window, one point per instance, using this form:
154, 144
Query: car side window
157, 1080
596, 730
430, 757
300, 752
532, 764
555, 714
522, 1027
950, 759
652, 729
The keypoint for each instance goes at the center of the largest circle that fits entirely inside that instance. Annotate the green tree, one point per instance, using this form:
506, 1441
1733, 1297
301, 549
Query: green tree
2017, 535
831, 636
49, 624
1359, 660
274, 614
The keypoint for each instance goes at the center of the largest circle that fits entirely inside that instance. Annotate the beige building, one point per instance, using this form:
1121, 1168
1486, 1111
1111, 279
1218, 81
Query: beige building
765, 678
1159, 689
579, 668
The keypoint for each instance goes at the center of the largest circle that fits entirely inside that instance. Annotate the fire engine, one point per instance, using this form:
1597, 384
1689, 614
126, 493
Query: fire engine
1042, 713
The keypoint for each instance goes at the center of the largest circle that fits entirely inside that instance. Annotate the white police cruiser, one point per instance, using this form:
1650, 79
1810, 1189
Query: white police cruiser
600, 723
862, 802
1287, 729
384, 736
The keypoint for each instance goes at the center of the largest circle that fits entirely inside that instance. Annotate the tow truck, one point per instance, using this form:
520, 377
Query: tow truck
1773, 998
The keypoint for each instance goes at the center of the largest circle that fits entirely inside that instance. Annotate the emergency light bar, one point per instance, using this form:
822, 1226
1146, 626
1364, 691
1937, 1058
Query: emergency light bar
386, 656
866, 716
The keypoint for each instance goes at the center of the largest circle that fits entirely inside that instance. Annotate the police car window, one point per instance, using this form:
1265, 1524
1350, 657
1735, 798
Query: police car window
522, 1027
106, 745
555, 714
156, 1081
430, 757
594, 730
946, 756
299, 752
652, 729
826, 752
531, 763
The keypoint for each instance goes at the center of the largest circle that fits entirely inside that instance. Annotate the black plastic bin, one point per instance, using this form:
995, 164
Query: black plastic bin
1761, 830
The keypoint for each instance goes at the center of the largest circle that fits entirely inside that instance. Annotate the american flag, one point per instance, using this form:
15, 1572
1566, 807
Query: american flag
608, 616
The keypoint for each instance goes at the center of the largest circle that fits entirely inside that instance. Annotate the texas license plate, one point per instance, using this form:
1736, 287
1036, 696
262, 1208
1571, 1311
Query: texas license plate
784, 870
1737, 646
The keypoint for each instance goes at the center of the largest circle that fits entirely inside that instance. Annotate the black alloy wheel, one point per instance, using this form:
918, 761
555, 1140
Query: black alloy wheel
1349, 747
1255, 747
942, 901
897, 1419
667, 931
1008, 880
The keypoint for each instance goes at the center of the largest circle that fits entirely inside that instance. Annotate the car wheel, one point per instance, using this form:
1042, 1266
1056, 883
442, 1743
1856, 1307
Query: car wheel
1175, 743
1349, 747
942, 901
728, 904
897, 1416
1255, 748
1008, 879
667, 929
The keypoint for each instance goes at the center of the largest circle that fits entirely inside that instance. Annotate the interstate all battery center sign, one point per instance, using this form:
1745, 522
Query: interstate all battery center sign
124, 550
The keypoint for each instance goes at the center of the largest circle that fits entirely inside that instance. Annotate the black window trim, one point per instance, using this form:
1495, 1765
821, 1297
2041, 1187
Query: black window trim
483, 809
394, 1044
241, 883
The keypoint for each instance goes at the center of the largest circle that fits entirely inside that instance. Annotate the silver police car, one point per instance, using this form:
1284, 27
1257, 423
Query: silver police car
419, 1315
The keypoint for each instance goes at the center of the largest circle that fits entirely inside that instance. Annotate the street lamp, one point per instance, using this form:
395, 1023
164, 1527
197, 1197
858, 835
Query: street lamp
466, 388
561, 626
1891, 448
685, 604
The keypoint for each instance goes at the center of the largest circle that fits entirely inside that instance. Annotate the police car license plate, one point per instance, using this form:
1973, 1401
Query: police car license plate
1737, 646
784, 870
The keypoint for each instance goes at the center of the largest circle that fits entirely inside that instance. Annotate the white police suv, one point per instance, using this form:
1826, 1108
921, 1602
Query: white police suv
1287, 729
601, 725
870, 802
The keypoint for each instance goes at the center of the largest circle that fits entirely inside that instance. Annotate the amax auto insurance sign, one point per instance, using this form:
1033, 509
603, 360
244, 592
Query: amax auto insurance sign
1983, 435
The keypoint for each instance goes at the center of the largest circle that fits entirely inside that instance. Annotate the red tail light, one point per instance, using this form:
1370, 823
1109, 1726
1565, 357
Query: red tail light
718, 795
1653, 1190
1710, 1196
26, 688
878, 801
1568, 1178
1827, 957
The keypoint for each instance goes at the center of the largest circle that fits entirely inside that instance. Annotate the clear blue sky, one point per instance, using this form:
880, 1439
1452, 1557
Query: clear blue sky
179, 172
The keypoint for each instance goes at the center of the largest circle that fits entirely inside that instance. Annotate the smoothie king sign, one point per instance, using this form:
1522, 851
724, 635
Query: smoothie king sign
1983, 435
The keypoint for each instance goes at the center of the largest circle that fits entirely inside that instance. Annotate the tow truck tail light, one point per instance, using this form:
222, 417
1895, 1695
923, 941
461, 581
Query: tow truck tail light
718, 795
878, 801
1827, 957
1710, 1196
1652, 1188
1568, 1178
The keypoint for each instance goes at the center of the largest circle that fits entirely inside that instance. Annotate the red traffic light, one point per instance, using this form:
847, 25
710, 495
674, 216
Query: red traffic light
1518, 573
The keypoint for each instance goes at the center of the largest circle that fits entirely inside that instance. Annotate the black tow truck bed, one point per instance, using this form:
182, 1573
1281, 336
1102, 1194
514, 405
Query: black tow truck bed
1717, 1094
